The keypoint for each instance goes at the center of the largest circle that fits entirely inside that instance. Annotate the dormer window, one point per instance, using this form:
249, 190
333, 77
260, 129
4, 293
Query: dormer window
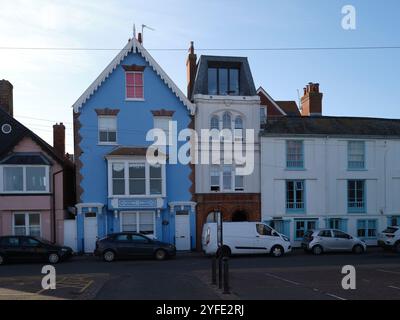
223, 81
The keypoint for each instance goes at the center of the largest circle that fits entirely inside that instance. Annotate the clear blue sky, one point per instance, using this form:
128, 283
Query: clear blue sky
354, 83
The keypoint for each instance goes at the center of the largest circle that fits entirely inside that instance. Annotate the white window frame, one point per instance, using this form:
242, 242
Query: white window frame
27, 214
126, 163
233, 187
138, 212
24, 185
126, 86
116, 131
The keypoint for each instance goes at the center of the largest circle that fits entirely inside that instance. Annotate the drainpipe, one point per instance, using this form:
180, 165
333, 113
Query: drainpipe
53, 209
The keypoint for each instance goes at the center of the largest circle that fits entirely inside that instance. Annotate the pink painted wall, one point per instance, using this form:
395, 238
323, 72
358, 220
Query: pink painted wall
37, 204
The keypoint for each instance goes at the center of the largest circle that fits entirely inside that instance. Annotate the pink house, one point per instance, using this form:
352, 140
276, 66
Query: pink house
36, 179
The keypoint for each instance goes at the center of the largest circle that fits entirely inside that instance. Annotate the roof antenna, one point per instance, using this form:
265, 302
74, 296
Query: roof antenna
144, 26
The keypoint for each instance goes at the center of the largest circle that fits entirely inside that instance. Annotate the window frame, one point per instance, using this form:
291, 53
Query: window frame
367, 227
355, 167
357, 209
108, 130
303, 208
24, 179
295, 167
137, 223
228, 80
126, 162
220, 169
126, 86
27, 223
305, 229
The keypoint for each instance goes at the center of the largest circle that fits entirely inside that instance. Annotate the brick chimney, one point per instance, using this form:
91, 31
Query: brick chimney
6, 96
311, 101
139, 38
59, 138
191, 70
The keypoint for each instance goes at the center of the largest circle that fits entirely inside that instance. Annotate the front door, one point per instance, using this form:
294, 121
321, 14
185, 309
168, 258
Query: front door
182, 230
90, 229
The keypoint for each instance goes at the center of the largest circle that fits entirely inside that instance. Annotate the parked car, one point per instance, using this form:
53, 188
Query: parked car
330, 240
245, 238
26, 248
131, 244
390, 239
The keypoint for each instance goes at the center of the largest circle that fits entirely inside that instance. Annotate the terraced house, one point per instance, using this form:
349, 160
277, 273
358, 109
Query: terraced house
333, 172
117, 188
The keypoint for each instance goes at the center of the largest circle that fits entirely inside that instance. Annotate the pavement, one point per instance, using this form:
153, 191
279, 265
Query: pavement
188, 277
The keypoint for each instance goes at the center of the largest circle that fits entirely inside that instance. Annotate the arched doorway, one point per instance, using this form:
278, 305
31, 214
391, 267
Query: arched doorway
239, 216
212, 217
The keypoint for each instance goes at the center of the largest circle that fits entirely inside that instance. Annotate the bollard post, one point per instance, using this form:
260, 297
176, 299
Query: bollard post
220, 271
226, 275
214, 270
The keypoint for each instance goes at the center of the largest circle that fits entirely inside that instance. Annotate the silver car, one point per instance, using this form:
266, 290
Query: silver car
329, 240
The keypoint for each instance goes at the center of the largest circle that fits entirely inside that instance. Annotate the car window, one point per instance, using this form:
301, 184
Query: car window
325, 234
139, 239
340, 234
263, 230
30, 242
123, 237
11, 242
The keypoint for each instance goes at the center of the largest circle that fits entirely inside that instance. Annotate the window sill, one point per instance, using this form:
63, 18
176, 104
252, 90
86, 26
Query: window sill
44, 193
295, 169
134, 99
153, 196
107, 144
355, 169
288, 211
356, 212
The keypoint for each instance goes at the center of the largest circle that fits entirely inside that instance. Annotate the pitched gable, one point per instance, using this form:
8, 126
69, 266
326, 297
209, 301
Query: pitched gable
133, 46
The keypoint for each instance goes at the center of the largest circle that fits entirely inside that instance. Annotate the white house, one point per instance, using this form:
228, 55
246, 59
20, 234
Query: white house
336, 172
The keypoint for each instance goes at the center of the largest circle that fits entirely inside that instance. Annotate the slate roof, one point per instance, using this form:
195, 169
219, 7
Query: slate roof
246, 84
327, 126
18, 132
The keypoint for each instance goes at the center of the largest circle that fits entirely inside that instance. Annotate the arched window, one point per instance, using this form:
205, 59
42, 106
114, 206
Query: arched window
226, 121
238, 128
214, 123
238, 123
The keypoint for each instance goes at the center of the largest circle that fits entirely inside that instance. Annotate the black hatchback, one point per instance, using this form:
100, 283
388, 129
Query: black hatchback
28, 249
131, 244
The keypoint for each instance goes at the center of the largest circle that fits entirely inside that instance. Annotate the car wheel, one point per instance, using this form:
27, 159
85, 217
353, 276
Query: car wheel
53, 258
357, 249
397, 247
225, 250
2, 260
317, 250
109, 256
160, 254
277, 251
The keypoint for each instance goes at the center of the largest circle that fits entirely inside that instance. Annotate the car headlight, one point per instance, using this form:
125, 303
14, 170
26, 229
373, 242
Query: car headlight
286, 238
64, 249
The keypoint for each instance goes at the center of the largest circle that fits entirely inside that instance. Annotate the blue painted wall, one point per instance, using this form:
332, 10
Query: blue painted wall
133, 122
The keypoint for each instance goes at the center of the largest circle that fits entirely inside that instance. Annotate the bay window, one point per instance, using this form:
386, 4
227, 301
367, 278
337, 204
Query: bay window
24, 179
136, 178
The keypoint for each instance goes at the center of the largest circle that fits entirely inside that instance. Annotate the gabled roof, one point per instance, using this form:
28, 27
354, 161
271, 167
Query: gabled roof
18, 132
246, 85
132, 46
290, 107
330, 126
262, 91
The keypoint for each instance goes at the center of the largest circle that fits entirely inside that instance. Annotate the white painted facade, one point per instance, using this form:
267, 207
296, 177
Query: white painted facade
248, 108
325, 174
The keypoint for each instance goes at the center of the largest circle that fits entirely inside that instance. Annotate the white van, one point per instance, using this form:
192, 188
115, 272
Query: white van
245, 238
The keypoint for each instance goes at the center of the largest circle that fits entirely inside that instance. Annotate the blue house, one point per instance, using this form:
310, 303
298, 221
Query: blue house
118, 189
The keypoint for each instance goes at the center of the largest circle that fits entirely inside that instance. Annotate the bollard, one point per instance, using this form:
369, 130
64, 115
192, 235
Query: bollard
226, 275
214, 270
220, 271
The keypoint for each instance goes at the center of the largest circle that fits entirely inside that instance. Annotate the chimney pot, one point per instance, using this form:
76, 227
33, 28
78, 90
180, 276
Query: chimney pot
191, 69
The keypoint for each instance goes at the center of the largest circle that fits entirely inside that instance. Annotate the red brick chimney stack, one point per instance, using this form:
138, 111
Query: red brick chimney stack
139, 37
191, 70
311, 101
59, 138
6, 96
